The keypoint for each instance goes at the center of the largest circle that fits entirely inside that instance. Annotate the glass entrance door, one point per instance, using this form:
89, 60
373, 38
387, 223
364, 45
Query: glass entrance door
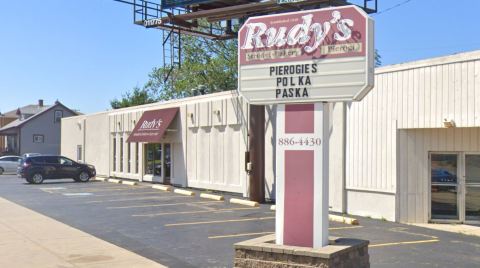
153, 157
168, 163
444, 186
472, 188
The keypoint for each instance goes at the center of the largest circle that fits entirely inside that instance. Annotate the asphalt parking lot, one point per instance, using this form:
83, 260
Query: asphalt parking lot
185, 231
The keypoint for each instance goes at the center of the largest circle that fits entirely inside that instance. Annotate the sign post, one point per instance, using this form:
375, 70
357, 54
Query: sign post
301, 61
302, 175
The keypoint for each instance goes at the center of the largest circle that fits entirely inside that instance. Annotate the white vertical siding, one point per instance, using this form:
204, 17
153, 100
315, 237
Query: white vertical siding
418, 95
215, 151
414, 167
371, 139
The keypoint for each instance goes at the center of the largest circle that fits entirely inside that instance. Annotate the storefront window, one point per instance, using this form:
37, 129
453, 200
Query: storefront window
128, 158
136, 157
121, 154
114, 146
153, 162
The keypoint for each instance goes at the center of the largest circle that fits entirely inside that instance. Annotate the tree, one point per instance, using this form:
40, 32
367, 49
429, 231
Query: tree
136, 97
378, 59
206, 65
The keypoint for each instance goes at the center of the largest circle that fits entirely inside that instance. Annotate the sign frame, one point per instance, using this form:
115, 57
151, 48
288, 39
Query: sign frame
364, 88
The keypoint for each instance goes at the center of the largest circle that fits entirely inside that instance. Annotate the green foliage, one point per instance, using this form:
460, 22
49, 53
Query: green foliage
136, 97
378, 59
206, 64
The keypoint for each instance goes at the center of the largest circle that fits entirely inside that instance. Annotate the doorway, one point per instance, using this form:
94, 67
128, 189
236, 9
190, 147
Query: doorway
455, 187
158, 162
167, 162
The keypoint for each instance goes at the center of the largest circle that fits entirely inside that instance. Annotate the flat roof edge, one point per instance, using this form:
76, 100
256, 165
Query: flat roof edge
454, 58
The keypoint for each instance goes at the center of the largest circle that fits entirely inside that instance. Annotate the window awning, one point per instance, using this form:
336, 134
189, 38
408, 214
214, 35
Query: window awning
152, 125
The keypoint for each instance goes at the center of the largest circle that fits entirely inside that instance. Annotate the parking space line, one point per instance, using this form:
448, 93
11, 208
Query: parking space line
165, 205
404, 243
86, 191
403, 230
190, 212
219, 221
103, 190
346, 227
201, 206
123, 194
261, 233
239, 235
135, 199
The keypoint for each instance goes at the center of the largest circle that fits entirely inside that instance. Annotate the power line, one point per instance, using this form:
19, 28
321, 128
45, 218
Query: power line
393, 7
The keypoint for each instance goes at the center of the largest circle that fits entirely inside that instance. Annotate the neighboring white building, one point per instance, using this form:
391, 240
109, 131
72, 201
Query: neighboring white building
408, 152
203, 146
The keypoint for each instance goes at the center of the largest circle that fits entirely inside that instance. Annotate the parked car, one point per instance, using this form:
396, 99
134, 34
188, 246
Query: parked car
440, 175
8, 164
35, 169
30, 154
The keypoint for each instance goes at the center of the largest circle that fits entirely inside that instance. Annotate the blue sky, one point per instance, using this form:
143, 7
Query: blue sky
86, 52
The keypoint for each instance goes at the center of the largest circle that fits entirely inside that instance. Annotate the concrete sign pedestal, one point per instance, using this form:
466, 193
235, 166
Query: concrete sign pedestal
262, 252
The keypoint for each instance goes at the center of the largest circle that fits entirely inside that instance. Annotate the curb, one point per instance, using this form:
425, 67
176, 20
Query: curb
162, 188
244, 202
100, 179
184, 192
342, 219
114, 181
212, 196
132, 183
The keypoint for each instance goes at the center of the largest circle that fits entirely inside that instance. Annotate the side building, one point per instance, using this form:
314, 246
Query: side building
201, 144
35, 129
408, 152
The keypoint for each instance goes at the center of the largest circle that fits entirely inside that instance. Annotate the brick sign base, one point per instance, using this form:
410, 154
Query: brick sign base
262, 252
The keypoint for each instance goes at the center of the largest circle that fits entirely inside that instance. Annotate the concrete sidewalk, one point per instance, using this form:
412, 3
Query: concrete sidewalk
454, 228
29, 239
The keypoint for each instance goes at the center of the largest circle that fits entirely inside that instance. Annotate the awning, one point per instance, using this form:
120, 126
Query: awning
152, 125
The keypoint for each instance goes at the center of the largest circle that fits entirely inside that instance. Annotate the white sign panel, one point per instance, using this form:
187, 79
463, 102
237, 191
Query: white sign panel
308, 56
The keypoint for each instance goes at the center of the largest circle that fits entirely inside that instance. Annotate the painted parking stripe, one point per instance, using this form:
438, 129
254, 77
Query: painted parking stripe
123, 194
265, 233
238, 235
135, 199
77, 194
404, 243
52, 188
404, 230
345, 227
221, 221
191, 212
165, 205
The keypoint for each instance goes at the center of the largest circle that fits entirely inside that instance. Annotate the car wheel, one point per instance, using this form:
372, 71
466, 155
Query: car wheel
1, 170
29, 181
83, 176
37, 178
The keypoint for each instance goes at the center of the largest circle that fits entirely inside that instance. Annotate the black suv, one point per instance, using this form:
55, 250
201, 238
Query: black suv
35, 169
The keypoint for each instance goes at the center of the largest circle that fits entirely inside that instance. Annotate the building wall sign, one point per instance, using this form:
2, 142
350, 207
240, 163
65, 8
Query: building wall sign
308, 56
152, 125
